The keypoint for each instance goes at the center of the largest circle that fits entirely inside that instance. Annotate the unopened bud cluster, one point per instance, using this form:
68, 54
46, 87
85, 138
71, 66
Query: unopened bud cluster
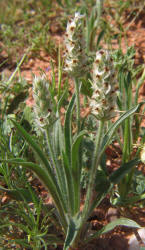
104, 86
43, 108
76, 59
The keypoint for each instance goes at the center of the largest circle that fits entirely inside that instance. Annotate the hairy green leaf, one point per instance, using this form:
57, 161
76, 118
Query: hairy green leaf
116, 176
75, 168
73, 228
110, 226
67, 128
109, 134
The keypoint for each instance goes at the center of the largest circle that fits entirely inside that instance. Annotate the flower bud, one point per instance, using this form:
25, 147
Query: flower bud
43, 108
103, 84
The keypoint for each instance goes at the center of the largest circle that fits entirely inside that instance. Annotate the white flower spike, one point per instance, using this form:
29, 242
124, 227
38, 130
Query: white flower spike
104, 86
76, 60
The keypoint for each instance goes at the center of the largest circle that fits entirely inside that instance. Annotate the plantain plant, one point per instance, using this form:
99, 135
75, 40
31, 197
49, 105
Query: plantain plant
59, 161
130, 131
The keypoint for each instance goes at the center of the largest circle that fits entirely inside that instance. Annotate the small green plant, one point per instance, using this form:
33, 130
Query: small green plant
129, 133
28, 225
59, 160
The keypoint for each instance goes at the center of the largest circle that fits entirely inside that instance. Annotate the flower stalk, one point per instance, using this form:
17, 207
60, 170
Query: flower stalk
76, 59
93, 171
77, 103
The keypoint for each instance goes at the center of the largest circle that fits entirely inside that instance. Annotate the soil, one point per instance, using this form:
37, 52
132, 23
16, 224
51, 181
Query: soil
118, 238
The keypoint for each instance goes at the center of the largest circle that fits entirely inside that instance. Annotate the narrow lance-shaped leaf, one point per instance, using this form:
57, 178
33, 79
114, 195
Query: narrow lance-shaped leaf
67, 128
139, 84
75, 168
43, 160
36, 149
58, 148
62, 98
69, 180
114, 178
128, 201
117, 175
72, 232
100, 36
121, 119
110, 226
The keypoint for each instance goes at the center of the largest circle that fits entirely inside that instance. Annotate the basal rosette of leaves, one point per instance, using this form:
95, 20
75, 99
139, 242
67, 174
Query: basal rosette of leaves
43, 108
104, 85
76, 60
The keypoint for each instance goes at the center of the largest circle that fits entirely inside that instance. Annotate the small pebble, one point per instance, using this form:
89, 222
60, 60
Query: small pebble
134, 243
